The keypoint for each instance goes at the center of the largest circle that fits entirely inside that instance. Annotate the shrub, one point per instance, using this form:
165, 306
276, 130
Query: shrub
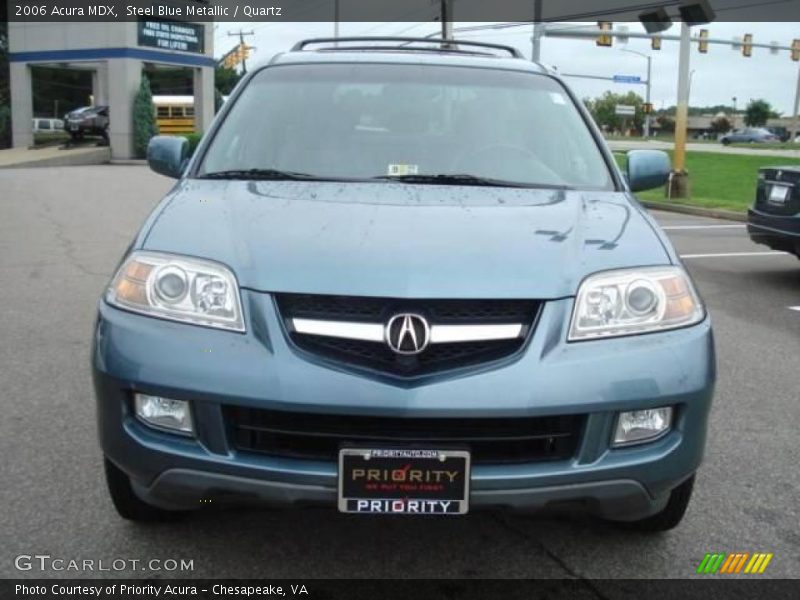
144, 118
5, 126
194, 140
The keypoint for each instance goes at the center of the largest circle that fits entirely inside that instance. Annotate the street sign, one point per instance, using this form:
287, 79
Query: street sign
627, 79
625, 110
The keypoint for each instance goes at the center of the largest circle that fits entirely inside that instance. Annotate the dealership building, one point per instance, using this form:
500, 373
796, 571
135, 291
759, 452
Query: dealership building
115, 53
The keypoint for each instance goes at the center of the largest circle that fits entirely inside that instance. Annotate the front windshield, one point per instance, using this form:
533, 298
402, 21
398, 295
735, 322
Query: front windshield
365, 121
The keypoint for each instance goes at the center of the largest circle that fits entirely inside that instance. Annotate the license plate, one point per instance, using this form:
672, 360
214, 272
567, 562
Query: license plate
403, 481
778, 194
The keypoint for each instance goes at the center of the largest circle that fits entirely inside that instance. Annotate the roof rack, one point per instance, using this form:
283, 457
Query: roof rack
405, 44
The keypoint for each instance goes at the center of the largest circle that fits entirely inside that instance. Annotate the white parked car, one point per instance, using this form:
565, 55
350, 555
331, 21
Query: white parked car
47, 125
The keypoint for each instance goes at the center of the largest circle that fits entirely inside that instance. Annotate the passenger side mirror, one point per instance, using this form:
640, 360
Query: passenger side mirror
647, 169
167, 155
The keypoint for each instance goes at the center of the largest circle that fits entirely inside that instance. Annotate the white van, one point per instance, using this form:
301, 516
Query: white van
46, 125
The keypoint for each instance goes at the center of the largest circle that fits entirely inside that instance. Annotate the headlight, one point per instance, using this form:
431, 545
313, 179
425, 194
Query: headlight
191, 290
631, 301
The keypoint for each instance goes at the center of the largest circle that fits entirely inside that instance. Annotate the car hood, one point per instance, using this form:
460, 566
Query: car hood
404, 240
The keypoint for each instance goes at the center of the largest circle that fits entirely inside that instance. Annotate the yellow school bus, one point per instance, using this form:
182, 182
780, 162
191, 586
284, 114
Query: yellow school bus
174, 114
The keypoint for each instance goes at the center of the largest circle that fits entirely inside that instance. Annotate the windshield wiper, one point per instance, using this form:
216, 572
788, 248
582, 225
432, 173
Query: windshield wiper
466, 179
261, 174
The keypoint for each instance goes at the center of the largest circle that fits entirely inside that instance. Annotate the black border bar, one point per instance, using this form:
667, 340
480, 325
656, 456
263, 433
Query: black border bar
261, 11
708, 588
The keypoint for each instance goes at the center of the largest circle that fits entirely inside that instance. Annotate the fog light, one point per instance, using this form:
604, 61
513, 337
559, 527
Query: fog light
164, 413
639, 426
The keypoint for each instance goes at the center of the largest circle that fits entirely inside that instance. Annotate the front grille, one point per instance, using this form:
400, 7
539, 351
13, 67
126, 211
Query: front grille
319, 436
365, 308
378, 357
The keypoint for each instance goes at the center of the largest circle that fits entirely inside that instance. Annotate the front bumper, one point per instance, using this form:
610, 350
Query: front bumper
775, 231
260, 369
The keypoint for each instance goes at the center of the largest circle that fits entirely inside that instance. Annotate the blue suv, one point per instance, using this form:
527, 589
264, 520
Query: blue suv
403, 276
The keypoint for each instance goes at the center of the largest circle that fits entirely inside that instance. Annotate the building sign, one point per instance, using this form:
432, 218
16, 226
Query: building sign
172, 35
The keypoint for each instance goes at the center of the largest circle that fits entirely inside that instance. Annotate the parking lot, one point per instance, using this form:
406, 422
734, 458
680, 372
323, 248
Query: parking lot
62, 231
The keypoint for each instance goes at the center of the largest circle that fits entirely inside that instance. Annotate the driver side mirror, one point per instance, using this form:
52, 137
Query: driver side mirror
647, 169
167, 155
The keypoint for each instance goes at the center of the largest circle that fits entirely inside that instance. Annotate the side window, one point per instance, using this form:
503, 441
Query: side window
189, 111
44, 124
162, 111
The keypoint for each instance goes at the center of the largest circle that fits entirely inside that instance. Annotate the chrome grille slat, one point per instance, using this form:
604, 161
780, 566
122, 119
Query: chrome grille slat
350, 330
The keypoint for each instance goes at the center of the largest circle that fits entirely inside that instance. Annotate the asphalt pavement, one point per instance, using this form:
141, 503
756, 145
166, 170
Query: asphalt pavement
62, 231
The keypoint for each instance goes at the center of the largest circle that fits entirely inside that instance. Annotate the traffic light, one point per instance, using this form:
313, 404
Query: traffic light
655, 42
647, 108
702, 46
795, 50
235, 56
604, 39
747, 45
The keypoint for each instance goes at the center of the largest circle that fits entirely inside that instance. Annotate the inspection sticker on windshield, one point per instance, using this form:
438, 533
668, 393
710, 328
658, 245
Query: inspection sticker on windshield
557, 98
400, 169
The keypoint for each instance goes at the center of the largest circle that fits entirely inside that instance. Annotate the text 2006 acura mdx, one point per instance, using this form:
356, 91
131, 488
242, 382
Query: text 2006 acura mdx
399, 278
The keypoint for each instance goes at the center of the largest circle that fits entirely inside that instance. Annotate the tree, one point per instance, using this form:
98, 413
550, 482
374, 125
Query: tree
225, 79
144, 118
603, 110
757, 113
721, 124
5, 92
666, 123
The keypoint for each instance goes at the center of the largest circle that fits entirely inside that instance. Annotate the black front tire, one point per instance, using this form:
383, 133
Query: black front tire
129, 505
671, 515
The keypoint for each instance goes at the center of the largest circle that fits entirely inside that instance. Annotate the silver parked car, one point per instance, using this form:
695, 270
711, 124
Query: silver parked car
749, 135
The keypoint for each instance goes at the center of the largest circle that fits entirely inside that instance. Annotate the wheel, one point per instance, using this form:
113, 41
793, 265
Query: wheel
670, 516
129, 505
725, 142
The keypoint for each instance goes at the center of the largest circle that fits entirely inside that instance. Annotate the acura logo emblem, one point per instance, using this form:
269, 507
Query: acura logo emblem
408, 333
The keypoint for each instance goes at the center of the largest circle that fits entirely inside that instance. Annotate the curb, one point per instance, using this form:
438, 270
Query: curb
697, 211
129, 161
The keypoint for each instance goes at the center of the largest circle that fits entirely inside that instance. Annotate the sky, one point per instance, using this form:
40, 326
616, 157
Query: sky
719, 75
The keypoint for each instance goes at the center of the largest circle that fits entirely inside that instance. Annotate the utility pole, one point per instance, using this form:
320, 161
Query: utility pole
796, 109
679, 181
647, 93
242, 45
446, 17
647, 96
538, 26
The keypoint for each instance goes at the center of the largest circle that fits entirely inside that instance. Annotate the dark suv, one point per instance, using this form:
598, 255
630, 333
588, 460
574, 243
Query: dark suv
89, 120
774, 219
